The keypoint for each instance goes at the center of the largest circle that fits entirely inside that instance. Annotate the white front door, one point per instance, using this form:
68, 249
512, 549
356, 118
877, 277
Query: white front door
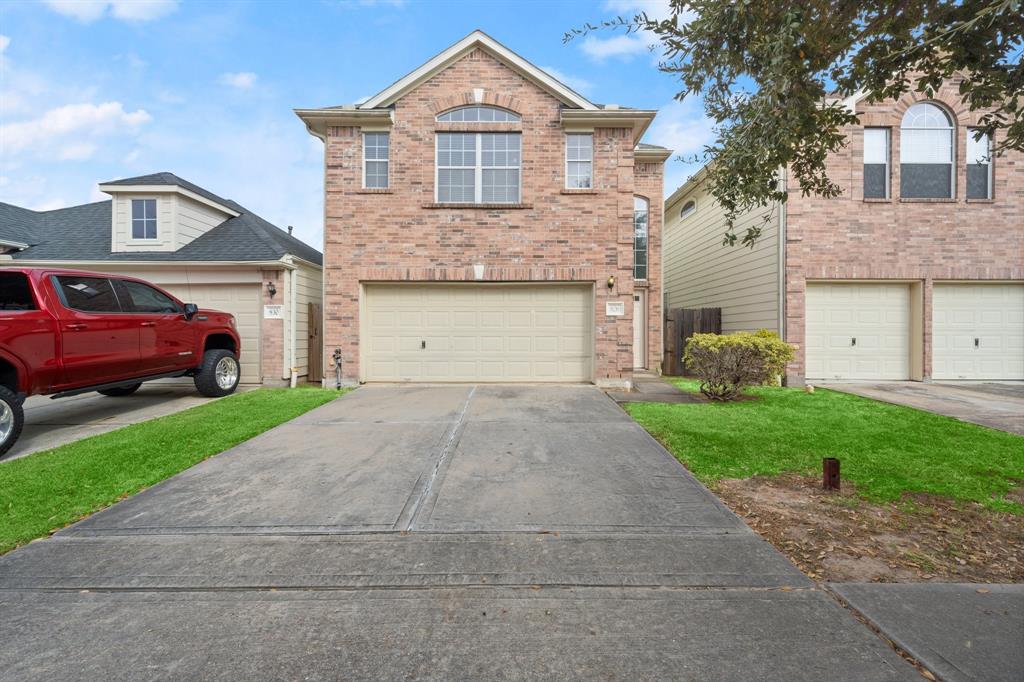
477, 332
857, 331
978, 331
640, 329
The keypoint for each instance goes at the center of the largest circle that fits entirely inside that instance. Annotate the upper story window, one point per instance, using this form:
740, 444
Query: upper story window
143, 218
689, 208
579, 161
979, 166
479, 114
375, 160
876, 163
478, 168
641, 215
926, 153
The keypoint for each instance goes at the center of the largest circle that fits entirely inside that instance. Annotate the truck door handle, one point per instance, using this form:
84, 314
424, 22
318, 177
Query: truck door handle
149, 324
75, 326
853, 341
977, 342
423, 344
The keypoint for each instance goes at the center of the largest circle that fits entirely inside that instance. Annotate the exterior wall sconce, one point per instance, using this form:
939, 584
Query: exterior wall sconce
271, 289
611, 282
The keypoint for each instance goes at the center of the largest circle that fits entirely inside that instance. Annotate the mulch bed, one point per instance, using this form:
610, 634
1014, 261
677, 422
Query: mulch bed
839, 537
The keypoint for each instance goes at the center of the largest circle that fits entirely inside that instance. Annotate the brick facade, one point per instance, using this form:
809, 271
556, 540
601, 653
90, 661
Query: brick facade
919, 241
401, 234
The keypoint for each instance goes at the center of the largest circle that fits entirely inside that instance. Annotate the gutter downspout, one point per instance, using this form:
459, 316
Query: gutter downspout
292, 303
782, 257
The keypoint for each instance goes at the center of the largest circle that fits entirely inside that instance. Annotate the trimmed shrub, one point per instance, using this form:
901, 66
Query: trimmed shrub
726, 363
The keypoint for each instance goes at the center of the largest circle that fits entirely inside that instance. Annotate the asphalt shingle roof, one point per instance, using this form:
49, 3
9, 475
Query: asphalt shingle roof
83, 232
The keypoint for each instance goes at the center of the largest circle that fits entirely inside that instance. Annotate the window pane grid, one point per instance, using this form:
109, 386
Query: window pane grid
926, 153
143, 218
579, 161
641, 212
375, 160
478, 168
478, 114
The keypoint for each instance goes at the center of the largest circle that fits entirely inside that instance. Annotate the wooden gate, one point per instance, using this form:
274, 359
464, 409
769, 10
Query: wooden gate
680, 325
315, 344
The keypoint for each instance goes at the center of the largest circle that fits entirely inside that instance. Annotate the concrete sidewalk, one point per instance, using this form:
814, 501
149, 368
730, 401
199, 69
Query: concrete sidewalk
435, 532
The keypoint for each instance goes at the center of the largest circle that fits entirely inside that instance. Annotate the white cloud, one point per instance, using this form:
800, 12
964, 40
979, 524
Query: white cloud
243, 80
581, 85
132, 156
654, 9
625, 46
684, 128
77, 151
78, 120
5, 41
88, 11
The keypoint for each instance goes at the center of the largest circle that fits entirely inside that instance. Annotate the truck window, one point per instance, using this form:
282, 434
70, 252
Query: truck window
15, 292
140, 298
88, 294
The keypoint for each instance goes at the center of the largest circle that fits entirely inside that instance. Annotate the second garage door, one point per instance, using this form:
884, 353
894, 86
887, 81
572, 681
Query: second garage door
477, 332
978, 331
858, 331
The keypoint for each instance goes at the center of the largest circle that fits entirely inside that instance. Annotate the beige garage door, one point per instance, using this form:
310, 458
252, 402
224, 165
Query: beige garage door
978, 331
858, 331
242, 301
474, 332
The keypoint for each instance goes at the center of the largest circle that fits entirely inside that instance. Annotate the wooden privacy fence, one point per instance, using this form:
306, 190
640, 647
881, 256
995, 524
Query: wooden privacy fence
680, 325
315, 347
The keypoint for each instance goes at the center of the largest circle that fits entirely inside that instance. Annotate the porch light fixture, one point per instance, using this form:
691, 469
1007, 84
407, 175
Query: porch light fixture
611, 282
271, 289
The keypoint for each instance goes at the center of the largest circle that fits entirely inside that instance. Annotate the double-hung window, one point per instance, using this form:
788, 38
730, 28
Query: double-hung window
143, 218
478, 168
979, 166
926, 153
876, 163
375, 160
579, 161
641, 214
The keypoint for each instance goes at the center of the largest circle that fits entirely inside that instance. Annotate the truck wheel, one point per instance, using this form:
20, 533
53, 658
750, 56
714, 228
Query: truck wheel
12, 418
120, 391
218, 374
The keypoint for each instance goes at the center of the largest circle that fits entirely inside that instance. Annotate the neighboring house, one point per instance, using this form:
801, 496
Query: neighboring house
198, 246
484, 222
915, 272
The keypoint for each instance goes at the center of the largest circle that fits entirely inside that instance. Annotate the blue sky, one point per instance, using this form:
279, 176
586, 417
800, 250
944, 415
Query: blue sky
94, 90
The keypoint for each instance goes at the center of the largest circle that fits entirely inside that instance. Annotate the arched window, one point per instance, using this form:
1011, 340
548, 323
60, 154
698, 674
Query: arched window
926, 153
641, 215
689, 208
478, 114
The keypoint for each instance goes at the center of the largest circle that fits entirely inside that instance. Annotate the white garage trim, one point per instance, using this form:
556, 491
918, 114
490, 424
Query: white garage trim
858, 331
452, 332
978, 331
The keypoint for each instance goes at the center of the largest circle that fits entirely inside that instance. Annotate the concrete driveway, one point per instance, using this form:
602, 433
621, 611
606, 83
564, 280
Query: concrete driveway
50, 423
428, 532
995, 405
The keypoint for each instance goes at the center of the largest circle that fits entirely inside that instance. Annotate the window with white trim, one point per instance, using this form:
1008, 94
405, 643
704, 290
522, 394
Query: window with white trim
979, 165
641, 215
478, 168
479, 114
876, 163
926, 153
143, 218
375, 160
689, 208
579, 160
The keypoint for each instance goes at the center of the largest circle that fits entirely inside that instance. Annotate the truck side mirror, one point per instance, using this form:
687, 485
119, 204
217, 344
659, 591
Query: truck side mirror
190, 310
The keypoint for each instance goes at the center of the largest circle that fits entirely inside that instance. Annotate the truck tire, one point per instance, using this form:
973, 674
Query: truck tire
12, 418
218, 374
120, 391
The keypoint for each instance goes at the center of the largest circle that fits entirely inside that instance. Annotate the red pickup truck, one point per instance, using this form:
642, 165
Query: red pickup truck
64, 332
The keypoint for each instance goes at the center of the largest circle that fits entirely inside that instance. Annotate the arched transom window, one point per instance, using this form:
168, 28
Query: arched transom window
689, 208
641, 216
478, 114
926, 153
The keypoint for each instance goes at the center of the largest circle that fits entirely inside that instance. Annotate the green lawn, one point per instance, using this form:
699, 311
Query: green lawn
886, 450
48, 490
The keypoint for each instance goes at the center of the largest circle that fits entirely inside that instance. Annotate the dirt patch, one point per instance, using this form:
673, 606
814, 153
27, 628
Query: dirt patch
839, 537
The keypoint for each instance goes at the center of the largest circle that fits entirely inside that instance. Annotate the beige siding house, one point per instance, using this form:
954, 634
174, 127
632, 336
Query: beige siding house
198, 246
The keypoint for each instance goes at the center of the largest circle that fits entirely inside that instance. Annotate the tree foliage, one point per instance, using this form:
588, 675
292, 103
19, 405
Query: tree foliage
772, 76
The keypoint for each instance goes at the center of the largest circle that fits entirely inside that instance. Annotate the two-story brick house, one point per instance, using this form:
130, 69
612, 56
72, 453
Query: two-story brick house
915, 272
484, 222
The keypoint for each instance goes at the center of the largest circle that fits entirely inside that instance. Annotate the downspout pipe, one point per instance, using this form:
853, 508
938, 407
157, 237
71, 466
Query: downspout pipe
292, 316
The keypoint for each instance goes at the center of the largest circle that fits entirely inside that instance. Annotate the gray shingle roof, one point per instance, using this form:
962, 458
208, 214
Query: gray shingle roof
644, 145
82, 233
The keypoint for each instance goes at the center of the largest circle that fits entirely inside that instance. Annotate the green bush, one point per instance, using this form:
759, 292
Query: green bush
725, 363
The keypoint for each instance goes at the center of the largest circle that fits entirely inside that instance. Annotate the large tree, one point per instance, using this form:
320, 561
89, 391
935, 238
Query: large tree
771, 75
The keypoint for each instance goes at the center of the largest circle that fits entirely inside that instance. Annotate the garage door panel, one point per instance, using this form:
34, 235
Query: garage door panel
857, 331
991, 313
481, 333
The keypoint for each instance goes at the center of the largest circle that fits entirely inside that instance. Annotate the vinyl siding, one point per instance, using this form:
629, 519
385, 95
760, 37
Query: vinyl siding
121, 214
702, 273
195, 220
309, 289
